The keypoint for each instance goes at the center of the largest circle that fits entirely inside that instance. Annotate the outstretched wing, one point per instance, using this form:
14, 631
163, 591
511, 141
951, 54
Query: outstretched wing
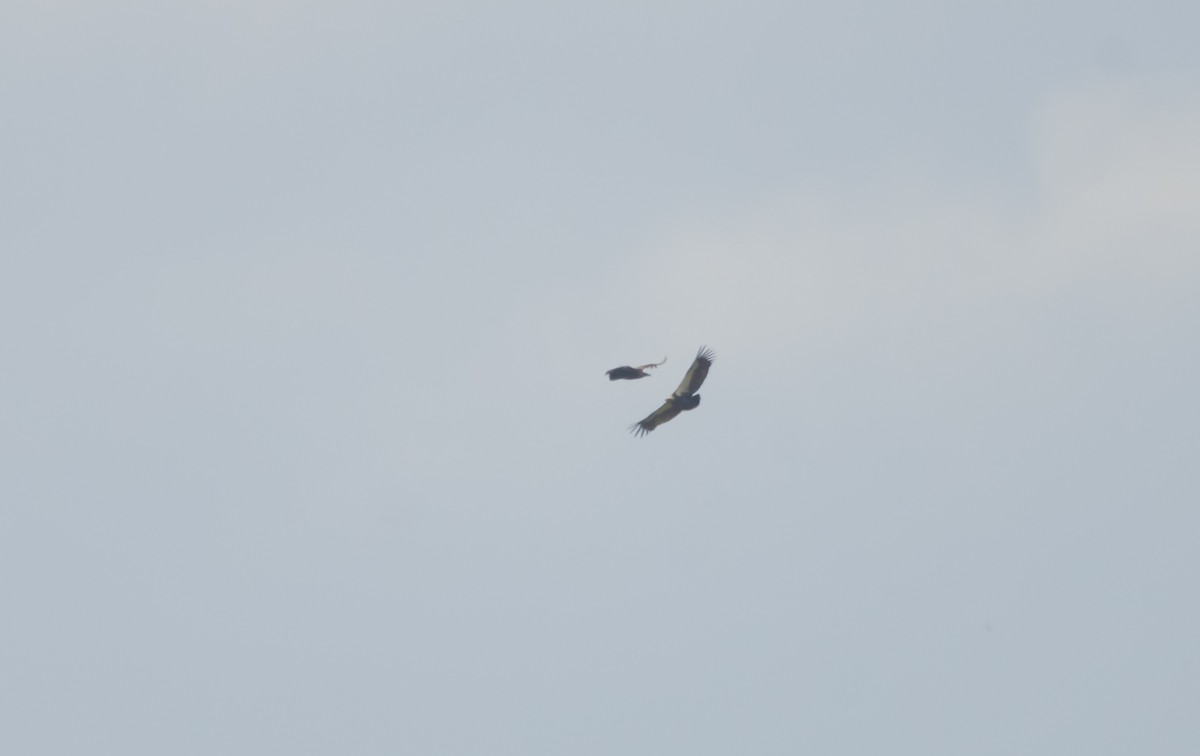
656, 418
696, 373
651, 365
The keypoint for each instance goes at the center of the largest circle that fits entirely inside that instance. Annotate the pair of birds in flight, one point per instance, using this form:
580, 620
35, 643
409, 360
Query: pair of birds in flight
684, 398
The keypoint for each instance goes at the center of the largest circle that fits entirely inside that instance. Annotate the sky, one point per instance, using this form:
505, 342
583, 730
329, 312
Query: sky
305, 310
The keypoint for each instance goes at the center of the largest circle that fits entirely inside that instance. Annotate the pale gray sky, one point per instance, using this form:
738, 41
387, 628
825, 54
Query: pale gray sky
305, 310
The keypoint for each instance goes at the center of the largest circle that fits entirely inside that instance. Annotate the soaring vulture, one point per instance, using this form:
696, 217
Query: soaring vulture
626, 373
684, 398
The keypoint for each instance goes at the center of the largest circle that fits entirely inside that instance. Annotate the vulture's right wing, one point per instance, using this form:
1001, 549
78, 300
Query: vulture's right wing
656, 418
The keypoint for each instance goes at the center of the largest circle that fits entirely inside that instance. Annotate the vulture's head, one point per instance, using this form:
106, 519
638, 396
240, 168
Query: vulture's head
686, 402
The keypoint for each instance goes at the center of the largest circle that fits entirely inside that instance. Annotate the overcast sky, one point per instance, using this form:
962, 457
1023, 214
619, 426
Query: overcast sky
307, 445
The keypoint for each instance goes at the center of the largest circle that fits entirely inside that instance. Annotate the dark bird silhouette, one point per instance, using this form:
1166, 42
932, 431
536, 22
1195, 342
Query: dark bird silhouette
626, 373
684, 398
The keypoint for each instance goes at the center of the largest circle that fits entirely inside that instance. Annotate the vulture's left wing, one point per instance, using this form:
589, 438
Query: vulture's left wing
651, 365
696, 373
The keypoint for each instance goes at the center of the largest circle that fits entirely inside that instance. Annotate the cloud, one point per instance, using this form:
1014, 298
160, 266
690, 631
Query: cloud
1113, 210
1120, 179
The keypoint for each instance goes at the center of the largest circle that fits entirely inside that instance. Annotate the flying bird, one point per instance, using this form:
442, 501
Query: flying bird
626, 373
684, 398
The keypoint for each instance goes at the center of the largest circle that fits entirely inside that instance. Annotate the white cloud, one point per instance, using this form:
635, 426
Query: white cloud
1118, 187
1120, 174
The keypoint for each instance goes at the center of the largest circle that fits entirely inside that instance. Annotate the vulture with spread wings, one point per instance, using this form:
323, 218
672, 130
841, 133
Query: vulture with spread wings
626, 373
684, 398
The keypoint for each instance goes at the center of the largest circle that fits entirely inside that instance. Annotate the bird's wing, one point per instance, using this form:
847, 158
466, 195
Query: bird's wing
651, 365
656, 418
696, 373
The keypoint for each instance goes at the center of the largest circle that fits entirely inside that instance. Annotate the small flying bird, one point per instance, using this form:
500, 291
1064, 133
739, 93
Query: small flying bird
626, 373
684, 398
